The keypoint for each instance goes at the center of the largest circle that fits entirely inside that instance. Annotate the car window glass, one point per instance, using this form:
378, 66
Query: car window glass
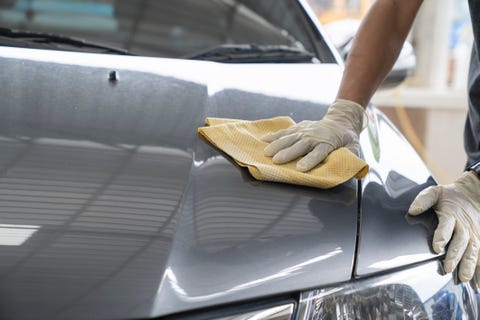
165, 28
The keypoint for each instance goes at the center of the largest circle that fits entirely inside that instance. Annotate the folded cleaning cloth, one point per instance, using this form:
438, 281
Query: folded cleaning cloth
240, 139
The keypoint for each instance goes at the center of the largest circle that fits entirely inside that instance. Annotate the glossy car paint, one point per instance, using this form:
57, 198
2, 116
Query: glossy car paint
125, 212
112, 207
389, 238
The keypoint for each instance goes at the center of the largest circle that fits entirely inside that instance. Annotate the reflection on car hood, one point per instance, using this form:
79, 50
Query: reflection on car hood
112, 207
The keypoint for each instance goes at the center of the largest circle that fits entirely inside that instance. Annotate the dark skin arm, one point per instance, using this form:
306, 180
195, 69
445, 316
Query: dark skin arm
374, 51
376, 47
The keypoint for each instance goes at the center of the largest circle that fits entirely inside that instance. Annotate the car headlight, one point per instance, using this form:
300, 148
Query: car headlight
417, 293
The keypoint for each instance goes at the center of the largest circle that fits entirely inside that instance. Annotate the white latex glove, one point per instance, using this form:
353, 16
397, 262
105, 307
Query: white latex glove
340, 127
458, 209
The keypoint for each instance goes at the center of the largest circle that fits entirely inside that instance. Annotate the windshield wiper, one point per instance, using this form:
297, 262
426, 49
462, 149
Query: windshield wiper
250, 53
42, 40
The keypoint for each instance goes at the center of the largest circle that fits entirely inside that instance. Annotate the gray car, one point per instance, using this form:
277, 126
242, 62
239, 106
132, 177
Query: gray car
111, 206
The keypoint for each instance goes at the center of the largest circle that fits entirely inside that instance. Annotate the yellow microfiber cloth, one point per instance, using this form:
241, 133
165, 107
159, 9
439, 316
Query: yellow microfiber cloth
240, 139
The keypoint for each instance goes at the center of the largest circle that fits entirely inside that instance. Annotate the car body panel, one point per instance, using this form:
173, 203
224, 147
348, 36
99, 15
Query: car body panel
117, 209
111, 206
389, 238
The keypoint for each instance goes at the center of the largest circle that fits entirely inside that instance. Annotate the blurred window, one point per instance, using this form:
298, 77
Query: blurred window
166, 28
333, 10
324, 5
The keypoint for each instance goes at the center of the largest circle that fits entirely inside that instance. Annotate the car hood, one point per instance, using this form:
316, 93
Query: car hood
112, 207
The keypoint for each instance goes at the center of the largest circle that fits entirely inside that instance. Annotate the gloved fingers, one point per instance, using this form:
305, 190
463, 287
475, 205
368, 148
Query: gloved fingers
291, 153
443, 232
469, 261
456, 248
280, 144
314, 157
425, 200
270, 137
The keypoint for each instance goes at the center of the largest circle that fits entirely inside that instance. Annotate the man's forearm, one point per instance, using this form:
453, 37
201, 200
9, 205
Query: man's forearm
376, 48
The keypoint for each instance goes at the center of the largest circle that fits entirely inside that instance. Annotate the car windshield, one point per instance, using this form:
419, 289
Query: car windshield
163, 28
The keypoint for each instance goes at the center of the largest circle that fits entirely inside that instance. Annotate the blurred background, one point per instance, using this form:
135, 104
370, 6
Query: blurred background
430, 107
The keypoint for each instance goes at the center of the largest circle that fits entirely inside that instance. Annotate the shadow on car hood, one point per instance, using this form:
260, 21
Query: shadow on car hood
112, 207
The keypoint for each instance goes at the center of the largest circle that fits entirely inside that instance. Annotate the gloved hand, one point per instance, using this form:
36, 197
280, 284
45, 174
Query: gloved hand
340, 127
458, 209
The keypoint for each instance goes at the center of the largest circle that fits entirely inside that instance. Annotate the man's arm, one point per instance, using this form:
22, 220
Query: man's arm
376, 47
